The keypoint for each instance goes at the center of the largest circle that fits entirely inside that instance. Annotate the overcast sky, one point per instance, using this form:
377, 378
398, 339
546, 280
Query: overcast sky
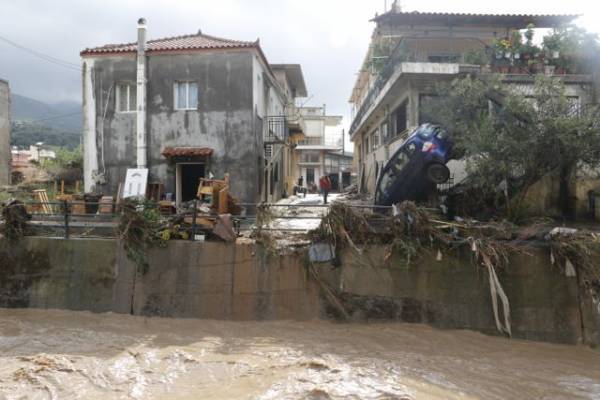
327, 37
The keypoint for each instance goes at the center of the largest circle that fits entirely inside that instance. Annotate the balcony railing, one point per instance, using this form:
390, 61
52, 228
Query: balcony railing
414, 49
312, 141
407, 50
276, 129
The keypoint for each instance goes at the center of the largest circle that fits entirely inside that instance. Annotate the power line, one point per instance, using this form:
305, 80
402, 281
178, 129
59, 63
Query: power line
57, 117
45, 57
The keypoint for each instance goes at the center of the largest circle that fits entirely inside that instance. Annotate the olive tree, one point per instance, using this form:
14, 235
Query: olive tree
510, 139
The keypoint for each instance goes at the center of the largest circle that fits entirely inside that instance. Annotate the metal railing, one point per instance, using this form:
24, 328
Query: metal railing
312, 141
276, 129
405, 51
64, 219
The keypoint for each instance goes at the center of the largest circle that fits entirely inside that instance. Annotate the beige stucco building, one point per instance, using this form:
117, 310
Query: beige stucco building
409, 53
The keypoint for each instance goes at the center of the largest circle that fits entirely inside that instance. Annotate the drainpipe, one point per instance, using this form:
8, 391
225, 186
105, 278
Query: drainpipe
141, 95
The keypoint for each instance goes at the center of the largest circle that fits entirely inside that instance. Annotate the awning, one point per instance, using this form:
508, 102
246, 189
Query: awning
187, 151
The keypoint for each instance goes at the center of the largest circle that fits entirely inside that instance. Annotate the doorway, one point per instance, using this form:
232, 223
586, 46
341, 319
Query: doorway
310, 176
188, 179
335, 182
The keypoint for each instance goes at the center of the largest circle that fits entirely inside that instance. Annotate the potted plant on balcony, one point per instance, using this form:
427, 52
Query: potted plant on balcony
516, 44
552, 45
502, 52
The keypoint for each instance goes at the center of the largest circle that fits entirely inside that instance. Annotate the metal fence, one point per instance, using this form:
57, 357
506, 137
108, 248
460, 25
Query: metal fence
276, 129
406, 50
79, 219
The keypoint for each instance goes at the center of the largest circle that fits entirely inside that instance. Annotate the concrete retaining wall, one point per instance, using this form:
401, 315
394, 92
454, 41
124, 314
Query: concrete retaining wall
185, 279
239, 281
454, 293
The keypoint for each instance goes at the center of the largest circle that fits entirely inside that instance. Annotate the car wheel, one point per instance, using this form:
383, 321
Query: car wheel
437, 173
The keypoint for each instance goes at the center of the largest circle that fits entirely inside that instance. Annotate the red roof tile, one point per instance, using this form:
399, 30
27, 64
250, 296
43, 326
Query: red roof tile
198, 41
187, 151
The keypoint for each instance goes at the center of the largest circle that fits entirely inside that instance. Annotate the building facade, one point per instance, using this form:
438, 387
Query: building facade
410, 52
5, 157
322, 135
183, 107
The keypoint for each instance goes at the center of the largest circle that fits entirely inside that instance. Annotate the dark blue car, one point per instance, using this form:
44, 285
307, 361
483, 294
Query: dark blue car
416, 166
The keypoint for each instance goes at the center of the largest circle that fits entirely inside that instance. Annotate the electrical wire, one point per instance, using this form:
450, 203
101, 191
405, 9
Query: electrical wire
45, 57
56, 117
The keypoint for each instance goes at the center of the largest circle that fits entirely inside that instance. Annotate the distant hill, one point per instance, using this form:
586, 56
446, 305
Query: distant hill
57, 124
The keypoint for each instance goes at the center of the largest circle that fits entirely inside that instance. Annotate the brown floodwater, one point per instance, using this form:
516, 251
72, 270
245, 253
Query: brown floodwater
49, 354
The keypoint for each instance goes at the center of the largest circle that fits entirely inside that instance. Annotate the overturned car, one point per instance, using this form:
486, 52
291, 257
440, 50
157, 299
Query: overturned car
417, 165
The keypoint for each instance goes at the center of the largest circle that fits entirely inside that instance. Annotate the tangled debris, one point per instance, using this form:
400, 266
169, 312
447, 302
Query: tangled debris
139, 229
578, 253
412, 229
16, 217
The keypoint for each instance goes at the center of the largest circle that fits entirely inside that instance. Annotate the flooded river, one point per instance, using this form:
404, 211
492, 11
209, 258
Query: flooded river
49, 354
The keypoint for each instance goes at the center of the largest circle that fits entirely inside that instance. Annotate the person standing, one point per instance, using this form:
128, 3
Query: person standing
325, 185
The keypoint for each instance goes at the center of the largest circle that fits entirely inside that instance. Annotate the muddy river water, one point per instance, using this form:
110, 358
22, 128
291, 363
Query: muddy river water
47, 354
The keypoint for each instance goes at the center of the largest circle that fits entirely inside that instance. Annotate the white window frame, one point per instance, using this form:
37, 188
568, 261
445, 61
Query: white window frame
128, 109
176, 86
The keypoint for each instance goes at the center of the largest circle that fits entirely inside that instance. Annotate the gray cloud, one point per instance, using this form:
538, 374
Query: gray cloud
328, 37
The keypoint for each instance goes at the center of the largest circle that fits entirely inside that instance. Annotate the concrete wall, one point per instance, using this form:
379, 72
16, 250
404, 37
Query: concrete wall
239, 281
4, 133
223, 121
454, 293
185, 279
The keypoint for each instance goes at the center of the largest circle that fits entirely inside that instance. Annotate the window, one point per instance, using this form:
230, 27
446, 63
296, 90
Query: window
310, 175
366, 145
399, 118
186, 96
383, 132
310, 157
375, 139
126, 97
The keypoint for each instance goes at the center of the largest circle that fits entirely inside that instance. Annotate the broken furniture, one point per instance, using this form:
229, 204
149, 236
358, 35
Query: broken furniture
42, 197
217, 191
106, 205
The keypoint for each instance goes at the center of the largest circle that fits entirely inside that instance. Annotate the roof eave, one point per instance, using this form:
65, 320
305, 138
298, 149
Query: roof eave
519, 21
92, 52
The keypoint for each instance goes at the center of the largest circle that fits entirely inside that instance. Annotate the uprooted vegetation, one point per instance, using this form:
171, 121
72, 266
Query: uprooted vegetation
579, 253
139, 230
413, 231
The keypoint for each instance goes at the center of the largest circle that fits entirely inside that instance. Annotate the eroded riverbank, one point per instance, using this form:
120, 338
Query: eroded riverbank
68, 355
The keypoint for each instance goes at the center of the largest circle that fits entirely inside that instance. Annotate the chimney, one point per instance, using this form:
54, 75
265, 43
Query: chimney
141, 150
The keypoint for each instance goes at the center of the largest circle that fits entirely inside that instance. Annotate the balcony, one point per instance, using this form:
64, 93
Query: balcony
312, 141
276, 130
414, 55
420, 55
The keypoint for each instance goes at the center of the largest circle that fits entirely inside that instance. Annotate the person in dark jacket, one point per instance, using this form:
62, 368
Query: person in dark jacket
325, 185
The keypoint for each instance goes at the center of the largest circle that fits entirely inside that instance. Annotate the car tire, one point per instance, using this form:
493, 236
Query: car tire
437, 173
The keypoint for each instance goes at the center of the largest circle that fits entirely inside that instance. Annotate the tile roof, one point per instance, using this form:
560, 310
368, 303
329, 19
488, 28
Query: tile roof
187, 151
197, 41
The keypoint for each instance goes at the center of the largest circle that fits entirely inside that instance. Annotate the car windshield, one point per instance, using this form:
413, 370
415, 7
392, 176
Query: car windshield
393, 171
